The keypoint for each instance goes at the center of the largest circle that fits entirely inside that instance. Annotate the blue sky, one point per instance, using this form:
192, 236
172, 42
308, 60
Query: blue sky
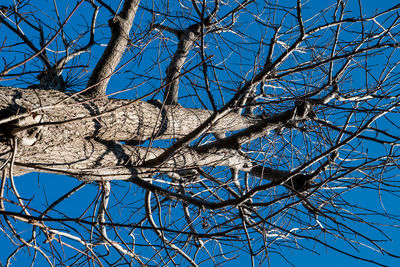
44, 188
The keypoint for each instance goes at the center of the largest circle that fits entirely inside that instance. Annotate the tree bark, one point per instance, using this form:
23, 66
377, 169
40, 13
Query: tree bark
57, 132
120, 26
187, 39
54, 132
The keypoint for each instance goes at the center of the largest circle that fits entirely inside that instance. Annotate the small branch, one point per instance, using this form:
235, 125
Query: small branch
20, 201
196, 8
187, 39
113, 13
39, 53
101, 216
4, 72
160, 233
62, 198
60, 64
166, 28
299, 18
202, 55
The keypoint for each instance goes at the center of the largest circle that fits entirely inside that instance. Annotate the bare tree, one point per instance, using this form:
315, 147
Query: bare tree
197, 131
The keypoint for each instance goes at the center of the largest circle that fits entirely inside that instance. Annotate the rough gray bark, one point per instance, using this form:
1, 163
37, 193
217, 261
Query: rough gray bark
120, 26
60, 133
112, 119
187, 39
57, 129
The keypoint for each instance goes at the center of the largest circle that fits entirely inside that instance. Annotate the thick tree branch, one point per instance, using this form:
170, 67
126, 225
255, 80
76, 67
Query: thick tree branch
76, 135
128, 121
120, 26
90, 160
187, 39
107, 119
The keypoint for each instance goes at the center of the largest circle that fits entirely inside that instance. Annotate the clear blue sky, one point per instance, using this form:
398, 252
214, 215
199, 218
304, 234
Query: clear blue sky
33, 185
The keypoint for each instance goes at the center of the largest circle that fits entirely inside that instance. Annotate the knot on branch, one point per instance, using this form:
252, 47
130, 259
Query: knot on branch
115, 22
25, 129
120, 26
195, 28
300, 182
302, 110
50, 79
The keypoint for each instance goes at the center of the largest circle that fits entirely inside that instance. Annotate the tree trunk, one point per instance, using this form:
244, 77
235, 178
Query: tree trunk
61, 133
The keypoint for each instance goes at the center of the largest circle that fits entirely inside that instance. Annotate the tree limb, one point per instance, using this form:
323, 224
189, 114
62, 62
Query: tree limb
120, 26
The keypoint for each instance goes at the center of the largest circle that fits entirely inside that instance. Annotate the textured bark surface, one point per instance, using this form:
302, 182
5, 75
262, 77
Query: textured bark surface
120, 26
57, 132
187, 39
